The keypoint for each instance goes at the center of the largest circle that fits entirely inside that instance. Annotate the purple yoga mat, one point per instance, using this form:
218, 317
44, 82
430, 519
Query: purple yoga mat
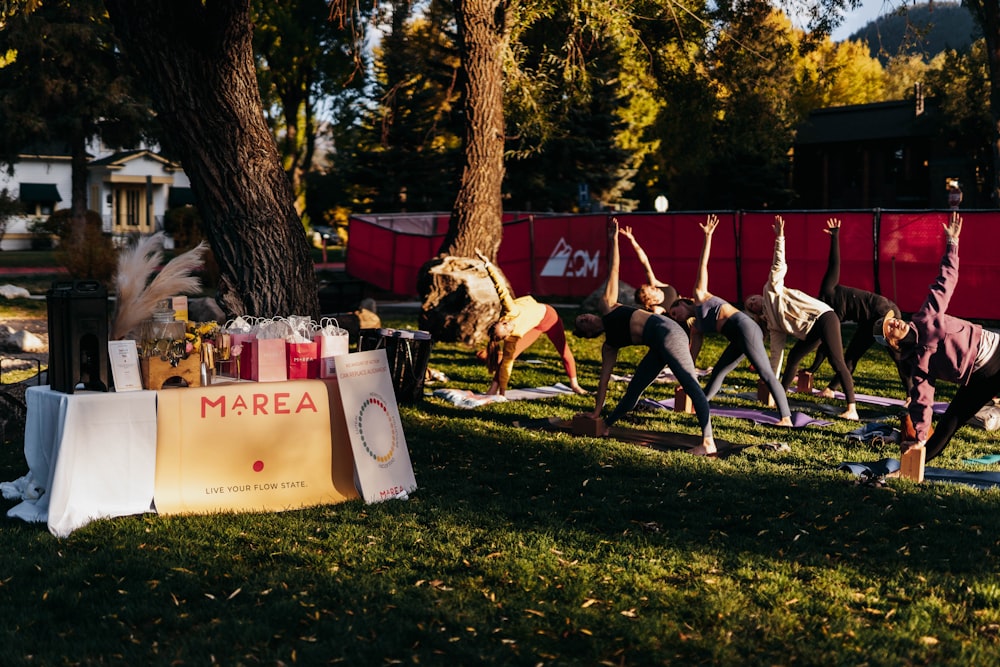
799, 419
884, 401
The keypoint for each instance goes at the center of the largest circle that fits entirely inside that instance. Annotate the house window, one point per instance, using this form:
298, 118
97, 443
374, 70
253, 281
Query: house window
39, 199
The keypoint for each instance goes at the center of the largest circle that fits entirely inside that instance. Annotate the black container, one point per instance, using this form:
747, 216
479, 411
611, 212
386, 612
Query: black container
408, 353
78, 335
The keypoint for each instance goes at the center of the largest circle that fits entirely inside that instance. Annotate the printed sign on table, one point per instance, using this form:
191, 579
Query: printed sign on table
251, 446
381, 458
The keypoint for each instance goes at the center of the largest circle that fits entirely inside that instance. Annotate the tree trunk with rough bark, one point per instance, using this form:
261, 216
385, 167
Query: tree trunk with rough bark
196, 56
450, 293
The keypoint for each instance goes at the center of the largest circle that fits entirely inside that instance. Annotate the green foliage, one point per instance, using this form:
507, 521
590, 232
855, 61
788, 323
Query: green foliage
304, 64
67, 81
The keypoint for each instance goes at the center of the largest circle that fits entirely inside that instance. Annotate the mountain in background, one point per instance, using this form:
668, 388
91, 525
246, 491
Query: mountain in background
922, 29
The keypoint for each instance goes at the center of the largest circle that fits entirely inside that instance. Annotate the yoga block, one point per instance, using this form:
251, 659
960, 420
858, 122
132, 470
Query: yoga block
682, 402
804, 382
764, 394
911, 464
584, 425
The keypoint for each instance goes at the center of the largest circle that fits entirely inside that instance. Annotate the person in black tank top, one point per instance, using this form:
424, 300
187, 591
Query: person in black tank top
624, 326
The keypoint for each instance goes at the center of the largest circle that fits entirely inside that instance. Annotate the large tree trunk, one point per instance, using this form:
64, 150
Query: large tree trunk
476, 218
197, 58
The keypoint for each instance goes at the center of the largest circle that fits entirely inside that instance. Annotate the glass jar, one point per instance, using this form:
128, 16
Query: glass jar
163, 335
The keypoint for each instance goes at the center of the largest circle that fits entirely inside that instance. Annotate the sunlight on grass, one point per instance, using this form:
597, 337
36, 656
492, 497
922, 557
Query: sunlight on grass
539, 548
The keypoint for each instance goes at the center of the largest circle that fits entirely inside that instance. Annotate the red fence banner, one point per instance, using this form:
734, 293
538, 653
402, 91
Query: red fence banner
895, 253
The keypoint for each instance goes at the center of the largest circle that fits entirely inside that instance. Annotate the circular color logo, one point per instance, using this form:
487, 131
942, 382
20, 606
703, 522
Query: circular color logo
375, 425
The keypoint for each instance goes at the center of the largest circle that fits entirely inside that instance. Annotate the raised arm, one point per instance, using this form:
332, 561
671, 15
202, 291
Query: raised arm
610, 298
832, 276
701, 283
641, 254
507, 306
779, 268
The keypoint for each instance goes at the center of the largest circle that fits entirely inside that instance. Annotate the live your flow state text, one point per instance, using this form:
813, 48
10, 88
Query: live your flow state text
246, 488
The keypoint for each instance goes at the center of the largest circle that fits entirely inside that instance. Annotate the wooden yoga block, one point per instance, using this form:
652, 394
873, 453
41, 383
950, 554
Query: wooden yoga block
764, 394
682, 402
156, 372
911, 464
804, 382
584, 425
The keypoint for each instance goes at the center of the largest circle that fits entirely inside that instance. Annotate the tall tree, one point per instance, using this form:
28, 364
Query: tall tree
305, 63
987, 15
65, 82
197, 59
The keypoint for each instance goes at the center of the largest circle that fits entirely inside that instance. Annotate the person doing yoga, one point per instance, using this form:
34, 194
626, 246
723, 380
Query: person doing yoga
624, 326
653, 295
852, 304
521, 322
712, 314
937, 347
788, 311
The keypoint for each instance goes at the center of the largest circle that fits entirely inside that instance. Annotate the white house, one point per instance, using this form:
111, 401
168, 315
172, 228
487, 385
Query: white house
131, 190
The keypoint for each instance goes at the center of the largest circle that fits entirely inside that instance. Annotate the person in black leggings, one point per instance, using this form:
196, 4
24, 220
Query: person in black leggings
853, 305
941, 347
624, 326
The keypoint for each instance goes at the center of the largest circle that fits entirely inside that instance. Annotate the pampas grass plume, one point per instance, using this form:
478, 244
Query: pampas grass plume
137, 294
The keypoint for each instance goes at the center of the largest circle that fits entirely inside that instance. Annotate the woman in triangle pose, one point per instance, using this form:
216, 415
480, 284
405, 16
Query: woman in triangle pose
712, 314
624, 326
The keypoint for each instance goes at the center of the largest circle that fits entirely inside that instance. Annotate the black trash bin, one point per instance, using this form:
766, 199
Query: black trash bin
408, 353
78, 335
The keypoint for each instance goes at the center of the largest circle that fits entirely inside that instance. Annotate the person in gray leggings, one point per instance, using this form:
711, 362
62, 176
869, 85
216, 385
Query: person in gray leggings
712, 314
624, 326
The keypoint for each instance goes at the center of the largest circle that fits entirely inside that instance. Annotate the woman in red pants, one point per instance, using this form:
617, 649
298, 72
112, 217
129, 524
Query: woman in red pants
521, 322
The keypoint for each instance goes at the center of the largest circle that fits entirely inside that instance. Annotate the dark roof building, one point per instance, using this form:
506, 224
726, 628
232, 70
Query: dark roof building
884, 155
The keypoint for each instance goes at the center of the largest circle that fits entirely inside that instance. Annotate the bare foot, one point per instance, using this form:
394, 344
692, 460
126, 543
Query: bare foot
850, 413
826, 393
577, 389
706, 448
785, 421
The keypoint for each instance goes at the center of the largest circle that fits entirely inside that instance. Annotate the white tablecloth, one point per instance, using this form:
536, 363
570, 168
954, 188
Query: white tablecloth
90, 455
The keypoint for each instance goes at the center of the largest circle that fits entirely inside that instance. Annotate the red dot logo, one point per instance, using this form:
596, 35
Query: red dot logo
258, 466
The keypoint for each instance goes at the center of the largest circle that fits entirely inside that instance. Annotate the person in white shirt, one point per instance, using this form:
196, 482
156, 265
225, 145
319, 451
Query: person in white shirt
787, 311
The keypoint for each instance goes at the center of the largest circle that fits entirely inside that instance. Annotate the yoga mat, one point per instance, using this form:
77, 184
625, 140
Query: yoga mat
665, 376
985, 460
465, 398
799, 419
884, 401
658, 440
979, 480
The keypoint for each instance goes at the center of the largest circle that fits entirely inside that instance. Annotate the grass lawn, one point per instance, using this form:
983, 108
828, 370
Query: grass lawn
523, 547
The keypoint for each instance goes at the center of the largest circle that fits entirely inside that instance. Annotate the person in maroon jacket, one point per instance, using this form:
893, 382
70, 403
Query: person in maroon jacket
942, 347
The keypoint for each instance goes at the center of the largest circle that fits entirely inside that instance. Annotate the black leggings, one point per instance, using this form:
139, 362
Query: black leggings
969, 399
825, 330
